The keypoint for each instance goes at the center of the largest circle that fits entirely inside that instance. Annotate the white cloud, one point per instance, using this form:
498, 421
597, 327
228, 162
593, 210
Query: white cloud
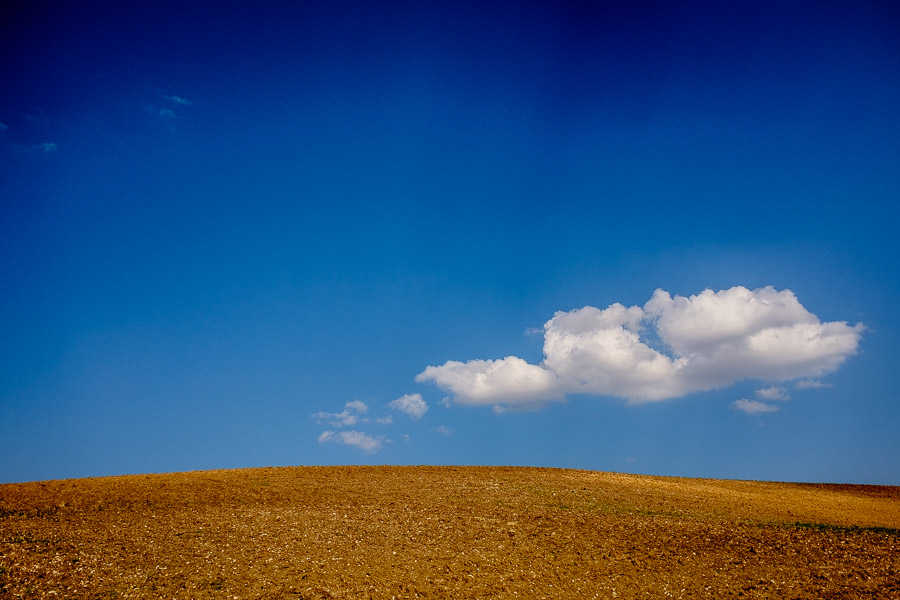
349, 416
670, 347
357, 406
33, 149
490, 381
387, 420
411, 404
753, 407
167, 113
36, 116
358, 439
3, 127
804, 384
443, 430
773, 393
179, 100
601, 352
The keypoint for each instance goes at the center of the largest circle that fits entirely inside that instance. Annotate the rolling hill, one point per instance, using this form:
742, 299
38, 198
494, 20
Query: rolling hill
445, 532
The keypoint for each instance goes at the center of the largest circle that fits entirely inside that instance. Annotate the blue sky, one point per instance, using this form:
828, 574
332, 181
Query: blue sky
433, 233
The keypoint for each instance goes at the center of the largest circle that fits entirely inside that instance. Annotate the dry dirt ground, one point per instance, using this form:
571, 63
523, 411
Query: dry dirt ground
445, 532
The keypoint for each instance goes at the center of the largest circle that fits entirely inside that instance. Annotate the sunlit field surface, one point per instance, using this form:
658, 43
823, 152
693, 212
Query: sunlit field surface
445, 532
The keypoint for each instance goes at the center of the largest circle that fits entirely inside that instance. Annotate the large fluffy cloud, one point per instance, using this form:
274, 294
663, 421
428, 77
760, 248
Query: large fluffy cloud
670, 347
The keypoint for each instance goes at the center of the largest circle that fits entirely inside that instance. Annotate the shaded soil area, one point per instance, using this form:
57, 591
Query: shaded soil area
444, 532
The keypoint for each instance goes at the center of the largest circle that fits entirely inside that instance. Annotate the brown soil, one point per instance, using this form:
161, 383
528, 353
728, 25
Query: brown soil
445, 532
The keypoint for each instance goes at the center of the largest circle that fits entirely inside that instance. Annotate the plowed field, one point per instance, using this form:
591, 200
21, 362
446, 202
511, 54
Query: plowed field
445, 532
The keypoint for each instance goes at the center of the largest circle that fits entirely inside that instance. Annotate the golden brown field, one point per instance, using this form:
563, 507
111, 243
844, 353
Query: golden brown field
445, 532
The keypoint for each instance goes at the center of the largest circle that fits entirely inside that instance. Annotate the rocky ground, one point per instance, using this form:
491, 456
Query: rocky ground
444, 532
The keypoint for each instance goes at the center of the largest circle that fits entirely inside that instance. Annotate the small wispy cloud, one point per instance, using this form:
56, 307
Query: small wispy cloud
33, 149
358, 406
805, 384
351, 415
355, 414
179, 100
441, 429
36, 116
163, 108
411, 404
773, 393
358, 439
3, 127
753, 407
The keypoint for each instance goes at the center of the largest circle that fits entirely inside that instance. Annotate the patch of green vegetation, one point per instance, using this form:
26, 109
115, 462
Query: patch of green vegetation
845, 528
614, 510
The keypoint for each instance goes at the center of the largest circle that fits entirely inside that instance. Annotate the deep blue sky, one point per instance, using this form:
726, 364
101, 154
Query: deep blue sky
219, 226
